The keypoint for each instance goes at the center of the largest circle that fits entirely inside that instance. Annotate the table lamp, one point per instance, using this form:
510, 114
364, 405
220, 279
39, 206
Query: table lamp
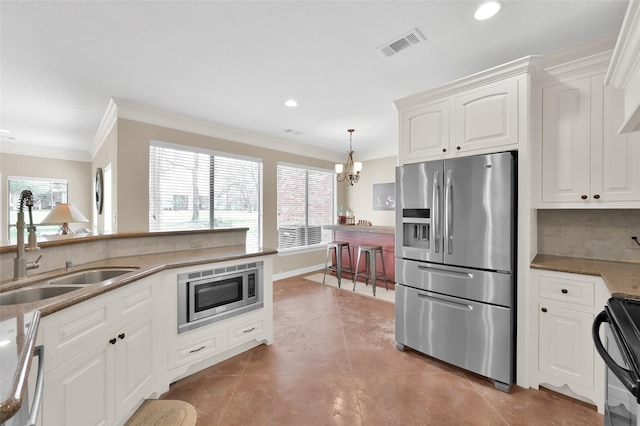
63, 214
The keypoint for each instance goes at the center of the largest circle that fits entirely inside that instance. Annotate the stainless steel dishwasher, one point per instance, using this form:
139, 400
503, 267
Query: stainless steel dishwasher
28, 416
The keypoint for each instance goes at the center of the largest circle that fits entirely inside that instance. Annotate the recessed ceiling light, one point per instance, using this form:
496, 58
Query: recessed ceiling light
487, 10
291, 103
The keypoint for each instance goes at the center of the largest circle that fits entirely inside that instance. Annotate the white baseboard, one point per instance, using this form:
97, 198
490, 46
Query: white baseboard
293, 273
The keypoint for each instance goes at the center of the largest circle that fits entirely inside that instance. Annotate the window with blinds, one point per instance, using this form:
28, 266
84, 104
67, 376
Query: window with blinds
191, 188
306, 201
47, 193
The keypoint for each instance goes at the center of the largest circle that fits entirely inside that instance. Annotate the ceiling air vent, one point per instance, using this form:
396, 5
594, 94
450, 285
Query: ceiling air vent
401, 43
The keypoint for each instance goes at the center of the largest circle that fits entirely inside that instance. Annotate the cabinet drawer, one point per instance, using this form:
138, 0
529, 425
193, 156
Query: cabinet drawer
566, 290
77, 327
194, 350
134, 300
244, 332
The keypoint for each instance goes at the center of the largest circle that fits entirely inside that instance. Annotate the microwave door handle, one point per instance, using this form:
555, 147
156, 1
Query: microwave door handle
436, 232
448, 212
626, 377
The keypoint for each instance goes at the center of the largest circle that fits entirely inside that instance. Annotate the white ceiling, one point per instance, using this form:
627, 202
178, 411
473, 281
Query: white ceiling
234, 63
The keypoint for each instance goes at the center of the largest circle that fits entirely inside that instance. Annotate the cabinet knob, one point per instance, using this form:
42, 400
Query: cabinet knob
596, 196
121, 336
564, 291
584, 197
444, 149
544, 309
112, 341
458, 148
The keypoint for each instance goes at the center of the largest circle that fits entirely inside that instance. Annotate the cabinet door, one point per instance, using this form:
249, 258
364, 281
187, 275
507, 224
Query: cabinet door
565, 347
487, 117
134, 364
615, 157
566, 124
80, 391
425, 131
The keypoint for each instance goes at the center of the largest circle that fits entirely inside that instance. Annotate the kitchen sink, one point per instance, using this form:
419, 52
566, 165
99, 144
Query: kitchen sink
92, 276
33, 294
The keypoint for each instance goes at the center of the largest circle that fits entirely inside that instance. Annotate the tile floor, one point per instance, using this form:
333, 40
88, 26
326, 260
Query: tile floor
333, 362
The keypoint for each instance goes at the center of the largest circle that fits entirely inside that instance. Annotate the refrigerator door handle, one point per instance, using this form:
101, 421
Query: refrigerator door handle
446, 301
456, 274
448, 212
436, 230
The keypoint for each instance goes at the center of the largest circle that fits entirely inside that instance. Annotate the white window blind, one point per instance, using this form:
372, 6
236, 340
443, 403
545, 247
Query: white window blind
191, 188
47, 193
306, 201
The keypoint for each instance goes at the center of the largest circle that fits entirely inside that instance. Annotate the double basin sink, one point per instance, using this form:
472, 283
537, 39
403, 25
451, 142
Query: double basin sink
61, 285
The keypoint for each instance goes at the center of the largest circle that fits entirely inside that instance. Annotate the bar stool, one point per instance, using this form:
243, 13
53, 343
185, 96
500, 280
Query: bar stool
337, 246
370, 266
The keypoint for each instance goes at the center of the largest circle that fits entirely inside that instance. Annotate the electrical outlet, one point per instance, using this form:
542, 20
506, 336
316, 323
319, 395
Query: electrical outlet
633, 240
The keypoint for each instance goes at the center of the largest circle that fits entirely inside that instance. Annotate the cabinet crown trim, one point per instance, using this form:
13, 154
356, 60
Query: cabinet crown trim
626, 54
528, 64
590, 65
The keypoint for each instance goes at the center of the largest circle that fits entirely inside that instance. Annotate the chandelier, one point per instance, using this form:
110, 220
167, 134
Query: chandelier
349, 171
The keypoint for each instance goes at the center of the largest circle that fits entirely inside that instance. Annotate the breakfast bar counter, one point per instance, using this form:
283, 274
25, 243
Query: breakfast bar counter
368, 235
19, 322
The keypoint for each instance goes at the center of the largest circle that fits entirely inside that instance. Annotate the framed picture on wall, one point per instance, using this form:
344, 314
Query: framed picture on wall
384, 196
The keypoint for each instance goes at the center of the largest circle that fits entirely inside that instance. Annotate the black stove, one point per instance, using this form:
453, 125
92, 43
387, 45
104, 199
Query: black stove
621, 357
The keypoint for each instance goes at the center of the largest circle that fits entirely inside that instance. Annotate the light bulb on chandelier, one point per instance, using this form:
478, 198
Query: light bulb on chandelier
350, 171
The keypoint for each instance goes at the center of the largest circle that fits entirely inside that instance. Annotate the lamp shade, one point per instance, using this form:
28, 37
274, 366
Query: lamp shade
64, 213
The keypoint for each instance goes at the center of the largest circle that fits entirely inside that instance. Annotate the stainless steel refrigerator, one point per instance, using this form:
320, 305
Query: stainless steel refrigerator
455, 262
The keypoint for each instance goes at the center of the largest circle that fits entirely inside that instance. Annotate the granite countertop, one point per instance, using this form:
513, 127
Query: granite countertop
361, 228
622, 278
19, 323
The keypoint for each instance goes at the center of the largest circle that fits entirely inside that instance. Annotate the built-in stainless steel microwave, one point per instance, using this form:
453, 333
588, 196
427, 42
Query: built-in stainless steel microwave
216, 294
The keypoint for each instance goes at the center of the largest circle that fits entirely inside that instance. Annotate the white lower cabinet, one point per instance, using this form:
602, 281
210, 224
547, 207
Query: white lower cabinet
106, 355
135, 351
564, 356
563, 350
194, 350
81, 391
102, 359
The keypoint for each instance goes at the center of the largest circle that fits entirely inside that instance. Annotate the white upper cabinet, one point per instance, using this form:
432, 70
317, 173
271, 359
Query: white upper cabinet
479, 114
566, 118
425, 130
585, 162
487, 117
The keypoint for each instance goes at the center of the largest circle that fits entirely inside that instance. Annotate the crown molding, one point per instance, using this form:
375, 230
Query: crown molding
109, 119
43, 151
579, 51
626, 54
527, 64
145, 114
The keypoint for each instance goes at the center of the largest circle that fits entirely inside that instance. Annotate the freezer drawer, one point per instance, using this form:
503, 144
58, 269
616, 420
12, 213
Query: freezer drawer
481, 286
470, 335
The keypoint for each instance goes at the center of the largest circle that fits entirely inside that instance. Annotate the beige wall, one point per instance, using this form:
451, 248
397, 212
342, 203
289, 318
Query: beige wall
77, 173
360, 196
126, 148
132, 205
107, 154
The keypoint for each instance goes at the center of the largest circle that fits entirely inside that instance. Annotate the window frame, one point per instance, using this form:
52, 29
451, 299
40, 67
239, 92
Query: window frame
325, 238
209, 195
42, 230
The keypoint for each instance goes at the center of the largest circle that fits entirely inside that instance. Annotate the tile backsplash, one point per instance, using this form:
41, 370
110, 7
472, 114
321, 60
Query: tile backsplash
596, 234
